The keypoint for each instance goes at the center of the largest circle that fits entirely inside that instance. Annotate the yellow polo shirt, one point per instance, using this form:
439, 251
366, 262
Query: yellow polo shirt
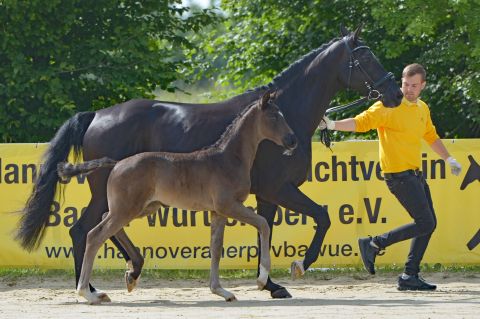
400, 130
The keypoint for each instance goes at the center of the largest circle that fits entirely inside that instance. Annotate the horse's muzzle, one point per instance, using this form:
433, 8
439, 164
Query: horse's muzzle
393, 98
290, 143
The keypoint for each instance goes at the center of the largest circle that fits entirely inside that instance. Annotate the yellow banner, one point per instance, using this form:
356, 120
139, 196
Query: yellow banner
347, 181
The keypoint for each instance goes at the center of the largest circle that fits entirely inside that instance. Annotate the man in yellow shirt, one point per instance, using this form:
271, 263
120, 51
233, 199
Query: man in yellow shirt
400, 131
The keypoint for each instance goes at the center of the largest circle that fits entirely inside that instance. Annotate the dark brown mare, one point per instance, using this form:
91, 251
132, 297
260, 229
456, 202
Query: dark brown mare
305, 90
216, 179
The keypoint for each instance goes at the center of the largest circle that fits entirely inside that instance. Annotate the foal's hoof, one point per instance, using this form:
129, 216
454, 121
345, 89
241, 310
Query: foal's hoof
102, 296
231, 298
130, 281
280, 293
296, 269
95, 297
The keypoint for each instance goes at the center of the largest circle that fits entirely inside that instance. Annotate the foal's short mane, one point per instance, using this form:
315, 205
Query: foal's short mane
232, 128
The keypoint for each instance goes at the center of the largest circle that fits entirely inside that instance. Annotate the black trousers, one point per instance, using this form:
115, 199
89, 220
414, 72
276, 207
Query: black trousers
413, 193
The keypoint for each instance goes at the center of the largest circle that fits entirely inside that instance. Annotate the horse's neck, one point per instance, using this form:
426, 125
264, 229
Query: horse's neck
242, 146
304, 100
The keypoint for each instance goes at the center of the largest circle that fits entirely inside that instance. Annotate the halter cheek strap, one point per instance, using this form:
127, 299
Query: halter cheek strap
373, 92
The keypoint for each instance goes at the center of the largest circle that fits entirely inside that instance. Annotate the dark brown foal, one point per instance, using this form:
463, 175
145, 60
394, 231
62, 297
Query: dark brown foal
216, 178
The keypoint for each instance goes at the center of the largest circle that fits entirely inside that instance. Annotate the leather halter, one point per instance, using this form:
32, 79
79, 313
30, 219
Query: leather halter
373, 92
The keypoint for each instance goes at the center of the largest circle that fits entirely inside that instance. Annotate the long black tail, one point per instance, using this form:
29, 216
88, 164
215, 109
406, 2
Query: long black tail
68, 170
36, 213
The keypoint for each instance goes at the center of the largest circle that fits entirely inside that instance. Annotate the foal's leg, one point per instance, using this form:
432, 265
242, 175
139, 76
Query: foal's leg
216, 243
78, 233
246, 215
135, 264
95, 238
89, 219
268, 211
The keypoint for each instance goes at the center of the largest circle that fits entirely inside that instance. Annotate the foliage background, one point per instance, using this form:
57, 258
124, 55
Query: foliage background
64, 56
259, 38
59, 57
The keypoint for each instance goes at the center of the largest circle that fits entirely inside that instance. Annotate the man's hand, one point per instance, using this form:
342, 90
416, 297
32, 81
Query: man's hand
326, 123
455, 166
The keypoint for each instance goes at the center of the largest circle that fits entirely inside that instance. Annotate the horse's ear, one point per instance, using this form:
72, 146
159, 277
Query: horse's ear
265, 99
357, 32
343, 31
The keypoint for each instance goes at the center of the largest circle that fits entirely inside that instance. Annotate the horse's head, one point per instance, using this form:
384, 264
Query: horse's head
363, 72
272, 123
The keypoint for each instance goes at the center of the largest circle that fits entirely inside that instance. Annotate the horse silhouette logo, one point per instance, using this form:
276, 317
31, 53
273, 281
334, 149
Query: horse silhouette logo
473, 174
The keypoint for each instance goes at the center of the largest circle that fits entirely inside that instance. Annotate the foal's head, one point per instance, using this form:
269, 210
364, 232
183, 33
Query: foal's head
272, 124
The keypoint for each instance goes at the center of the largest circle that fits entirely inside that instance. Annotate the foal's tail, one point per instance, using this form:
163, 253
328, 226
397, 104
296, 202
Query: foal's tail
36, 212
68, 170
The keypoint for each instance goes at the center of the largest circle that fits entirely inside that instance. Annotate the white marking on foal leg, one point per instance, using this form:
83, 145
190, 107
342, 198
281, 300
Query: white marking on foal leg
101, 295
92, 298
129, 280
262, 278
130, 265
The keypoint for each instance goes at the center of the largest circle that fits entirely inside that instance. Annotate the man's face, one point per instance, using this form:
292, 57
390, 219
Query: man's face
412, 86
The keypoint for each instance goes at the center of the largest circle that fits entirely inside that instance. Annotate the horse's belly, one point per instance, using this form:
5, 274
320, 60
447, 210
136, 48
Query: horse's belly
184, 198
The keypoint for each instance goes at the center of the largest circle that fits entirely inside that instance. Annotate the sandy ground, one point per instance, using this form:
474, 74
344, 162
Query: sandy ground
457, 296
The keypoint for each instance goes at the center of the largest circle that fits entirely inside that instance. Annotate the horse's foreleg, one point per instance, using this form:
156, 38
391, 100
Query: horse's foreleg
293, 199
268, 211
217, 229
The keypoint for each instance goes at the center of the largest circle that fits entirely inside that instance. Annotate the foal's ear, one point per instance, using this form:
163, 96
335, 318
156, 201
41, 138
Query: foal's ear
266, 98
357, 32
343, 31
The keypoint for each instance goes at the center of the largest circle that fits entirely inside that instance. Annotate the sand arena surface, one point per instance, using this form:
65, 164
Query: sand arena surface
457, 296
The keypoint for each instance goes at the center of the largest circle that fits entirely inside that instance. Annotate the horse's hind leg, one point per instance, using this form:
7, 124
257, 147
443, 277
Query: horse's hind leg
216, 244
135, 264
95, 238
78, 233
246, 215
89, 219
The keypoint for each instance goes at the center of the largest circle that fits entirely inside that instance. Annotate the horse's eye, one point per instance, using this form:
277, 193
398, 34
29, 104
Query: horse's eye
274, 116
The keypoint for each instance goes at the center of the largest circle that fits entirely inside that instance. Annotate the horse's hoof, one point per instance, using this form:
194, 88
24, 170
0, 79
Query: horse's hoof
104, 298
280, 293
231, 298
261, 285
101, 296
130, 281
296, 269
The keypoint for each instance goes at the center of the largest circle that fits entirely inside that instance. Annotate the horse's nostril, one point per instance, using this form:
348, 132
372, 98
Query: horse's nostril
291, 141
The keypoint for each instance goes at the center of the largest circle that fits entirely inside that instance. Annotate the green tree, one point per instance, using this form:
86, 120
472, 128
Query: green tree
259, 38
59, 57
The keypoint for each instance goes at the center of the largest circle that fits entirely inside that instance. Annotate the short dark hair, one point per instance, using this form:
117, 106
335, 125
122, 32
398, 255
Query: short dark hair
413, 69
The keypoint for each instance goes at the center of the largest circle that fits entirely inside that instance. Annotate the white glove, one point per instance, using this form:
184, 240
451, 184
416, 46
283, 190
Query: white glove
455, 166
326, 123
